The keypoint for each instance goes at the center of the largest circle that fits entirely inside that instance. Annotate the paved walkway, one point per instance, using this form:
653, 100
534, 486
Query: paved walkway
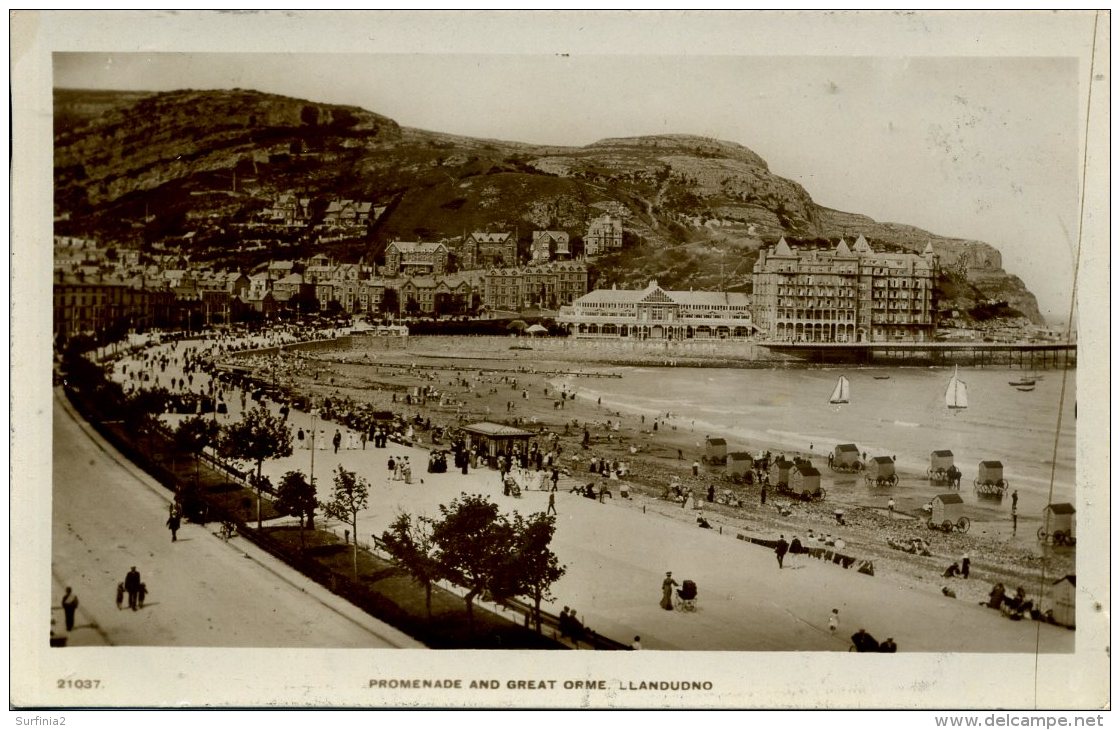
108, 516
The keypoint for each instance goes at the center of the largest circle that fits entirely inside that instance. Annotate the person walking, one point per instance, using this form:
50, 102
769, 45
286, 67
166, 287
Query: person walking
1014, 500
555, 478
120, 595
667, 592
141, 594
781, 549
890, 508
337, 440
551, 503
762, 495
132, 586
173, 523
695, 468
69, 607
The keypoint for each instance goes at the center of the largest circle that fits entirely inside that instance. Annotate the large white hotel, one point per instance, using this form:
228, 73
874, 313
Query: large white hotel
654, 313
844, 293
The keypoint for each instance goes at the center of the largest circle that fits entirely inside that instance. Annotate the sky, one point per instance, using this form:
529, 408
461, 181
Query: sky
980, 147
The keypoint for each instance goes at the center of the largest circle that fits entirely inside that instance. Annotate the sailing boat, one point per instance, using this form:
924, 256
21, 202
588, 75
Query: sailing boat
840, 394
956, 395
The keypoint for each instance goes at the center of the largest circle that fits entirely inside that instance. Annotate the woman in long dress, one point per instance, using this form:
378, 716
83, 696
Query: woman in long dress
667, 592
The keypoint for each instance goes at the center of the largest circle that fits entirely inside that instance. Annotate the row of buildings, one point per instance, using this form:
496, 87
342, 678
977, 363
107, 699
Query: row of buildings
841, 293
804, 293
94, 298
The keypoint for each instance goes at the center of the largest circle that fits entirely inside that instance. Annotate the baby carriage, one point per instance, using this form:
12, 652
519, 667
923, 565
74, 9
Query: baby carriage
512, 488
687, 595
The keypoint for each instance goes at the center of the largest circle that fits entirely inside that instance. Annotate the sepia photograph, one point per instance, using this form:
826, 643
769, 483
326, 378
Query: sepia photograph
704, 351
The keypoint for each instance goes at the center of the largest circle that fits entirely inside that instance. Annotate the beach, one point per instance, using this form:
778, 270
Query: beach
522, 386
614, 549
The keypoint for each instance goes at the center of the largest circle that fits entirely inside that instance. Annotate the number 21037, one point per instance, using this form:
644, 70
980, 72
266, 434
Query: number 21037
79, 683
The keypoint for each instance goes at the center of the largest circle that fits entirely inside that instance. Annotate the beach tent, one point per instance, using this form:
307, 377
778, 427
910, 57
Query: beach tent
1060, 518
779, 471
947, 508
1063, 601
739, 463
537, 329
845, 455
804, 479
941, 459
715, 451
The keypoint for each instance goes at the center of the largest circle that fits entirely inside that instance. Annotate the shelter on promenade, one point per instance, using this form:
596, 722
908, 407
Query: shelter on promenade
495, 439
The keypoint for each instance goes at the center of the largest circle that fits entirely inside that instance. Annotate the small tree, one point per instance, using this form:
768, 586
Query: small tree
350, 496
193, 435
259, 435
472, 540
296, 496
390, 302
410, 544
530, 567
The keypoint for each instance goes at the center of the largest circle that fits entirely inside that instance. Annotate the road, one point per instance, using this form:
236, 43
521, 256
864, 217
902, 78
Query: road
202, 592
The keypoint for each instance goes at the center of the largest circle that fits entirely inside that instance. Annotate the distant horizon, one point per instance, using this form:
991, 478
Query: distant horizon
979, 149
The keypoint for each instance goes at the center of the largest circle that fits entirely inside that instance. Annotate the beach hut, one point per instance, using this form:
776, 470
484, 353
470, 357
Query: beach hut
940, 462
880, 472
779, 472
948, 514
845, 457
805, 481
1063, 601
990, 482
715, 451
739, 464
494, 439
1059, 521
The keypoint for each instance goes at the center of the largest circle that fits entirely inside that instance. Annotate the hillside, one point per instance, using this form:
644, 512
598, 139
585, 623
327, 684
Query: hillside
144, 168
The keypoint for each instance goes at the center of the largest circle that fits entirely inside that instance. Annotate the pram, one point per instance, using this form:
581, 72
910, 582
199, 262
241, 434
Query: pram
687, 595
512, 488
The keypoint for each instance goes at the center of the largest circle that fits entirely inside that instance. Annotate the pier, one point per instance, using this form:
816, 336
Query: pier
1028, 355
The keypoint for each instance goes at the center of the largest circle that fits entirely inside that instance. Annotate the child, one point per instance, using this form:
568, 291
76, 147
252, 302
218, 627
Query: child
834, 621
120, 595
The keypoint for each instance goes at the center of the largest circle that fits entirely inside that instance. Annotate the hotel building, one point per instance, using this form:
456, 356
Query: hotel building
844, 294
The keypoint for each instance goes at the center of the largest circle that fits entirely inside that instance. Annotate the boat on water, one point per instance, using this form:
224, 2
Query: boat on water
1022, 381
840, 393
1025, 388
881, 377
956, 394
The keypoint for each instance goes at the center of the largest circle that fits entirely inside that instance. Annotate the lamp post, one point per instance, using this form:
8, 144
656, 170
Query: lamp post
314, 425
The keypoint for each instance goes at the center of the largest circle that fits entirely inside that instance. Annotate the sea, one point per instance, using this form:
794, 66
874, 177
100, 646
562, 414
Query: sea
898, 412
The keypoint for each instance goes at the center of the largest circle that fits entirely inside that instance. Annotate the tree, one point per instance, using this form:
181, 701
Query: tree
530, 567
350, 496
412, 307
390, 302
193, 436
296, 496
472, 541
410, 544
259, 435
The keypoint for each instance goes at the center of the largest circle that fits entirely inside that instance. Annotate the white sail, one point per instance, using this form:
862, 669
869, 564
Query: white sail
956, 395
840, 393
